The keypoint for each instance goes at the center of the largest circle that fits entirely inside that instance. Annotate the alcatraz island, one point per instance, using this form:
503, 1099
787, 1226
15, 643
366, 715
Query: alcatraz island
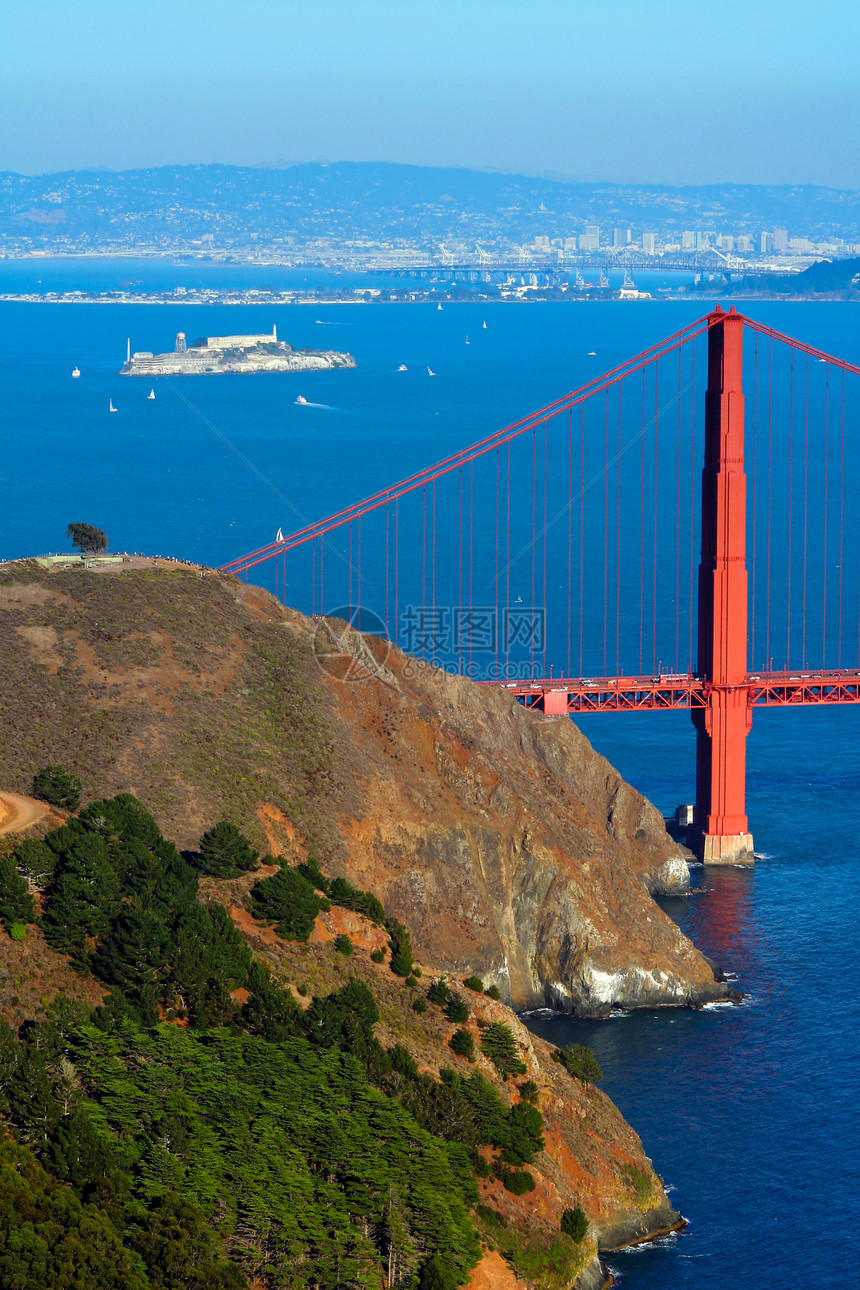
213, 354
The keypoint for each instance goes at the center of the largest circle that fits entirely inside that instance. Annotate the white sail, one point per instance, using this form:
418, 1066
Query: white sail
279, 537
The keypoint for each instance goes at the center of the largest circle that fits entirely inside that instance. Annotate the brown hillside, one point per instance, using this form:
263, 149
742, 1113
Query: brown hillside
503, 841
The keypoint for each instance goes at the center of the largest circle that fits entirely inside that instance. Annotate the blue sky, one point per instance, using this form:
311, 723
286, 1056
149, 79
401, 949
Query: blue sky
651, 90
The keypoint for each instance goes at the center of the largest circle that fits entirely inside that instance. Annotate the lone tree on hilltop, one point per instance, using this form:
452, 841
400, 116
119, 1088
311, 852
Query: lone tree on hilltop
87, 538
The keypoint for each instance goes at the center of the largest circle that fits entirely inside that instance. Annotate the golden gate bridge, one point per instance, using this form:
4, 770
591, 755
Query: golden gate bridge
657, 575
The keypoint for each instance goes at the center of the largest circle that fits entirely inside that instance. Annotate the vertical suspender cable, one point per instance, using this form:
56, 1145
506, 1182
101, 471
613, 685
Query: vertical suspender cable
678, 528
618, 546
396, 569
424, 571
313, 578
569, 530
824, 547
581, 519
841, 513
642, 529
790, 465
691, 665
496, 577
534, 513
654, 571
507, 607
805, 499
459, 612
751, 663
769, 506
387, 525
605, 523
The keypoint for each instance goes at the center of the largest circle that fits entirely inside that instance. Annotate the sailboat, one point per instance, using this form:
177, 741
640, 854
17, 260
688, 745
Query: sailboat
111, 408
430, 371
76, 371
439, 308
484, 325
468, 342
279, 537
151, 394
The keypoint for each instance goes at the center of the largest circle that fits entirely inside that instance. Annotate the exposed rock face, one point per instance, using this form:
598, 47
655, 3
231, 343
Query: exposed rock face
502, 840
506, 843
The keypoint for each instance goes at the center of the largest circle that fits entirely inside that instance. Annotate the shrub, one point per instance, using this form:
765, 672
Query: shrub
493, 992
343, 945
501, 1047
401, 949
18, 931
474, 983
340, 892
412, 982
225, 852
419, 1004
516, 1181
16, 903
457, 1010
288, 900
574, 1223
462, 1043
58, 786
579, 1062
528, 1090
439, 992
35, 861
303, 989
378, 956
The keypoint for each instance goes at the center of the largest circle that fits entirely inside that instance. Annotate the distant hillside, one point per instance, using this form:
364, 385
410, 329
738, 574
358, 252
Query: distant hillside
355, 202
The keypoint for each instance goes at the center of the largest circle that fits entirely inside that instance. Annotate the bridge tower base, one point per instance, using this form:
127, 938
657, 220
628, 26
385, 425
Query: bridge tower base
720, 831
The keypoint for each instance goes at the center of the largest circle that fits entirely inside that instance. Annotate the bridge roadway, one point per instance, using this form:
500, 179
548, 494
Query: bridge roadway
563, 696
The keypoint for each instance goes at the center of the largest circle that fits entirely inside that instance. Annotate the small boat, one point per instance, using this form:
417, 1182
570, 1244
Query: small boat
439, 308
592, 353
484, 325
279, 537
76, 371
468, 342
111, 408
151, 394
430, 371
403, 368
301, 400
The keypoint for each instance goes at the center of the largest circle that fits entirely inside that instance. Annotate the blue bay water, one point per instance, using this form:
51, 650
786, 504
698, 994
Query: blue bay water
750, 1113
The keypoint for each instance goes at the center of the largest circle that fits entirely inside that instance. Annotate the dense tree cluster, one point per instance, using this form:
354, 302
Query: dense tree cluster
254, 1139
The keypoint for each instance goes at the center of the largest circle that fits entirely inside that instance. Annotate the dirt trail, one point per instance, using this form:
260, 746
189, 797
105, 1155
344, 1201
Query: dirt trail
18, 812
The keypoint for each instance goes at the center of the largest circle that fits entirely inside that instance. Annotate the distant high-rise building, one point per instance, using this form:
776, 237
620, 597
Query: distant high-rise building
703, 242
541, 243
745, 242
780, 240
590, 239
766, 243
570, 244
726, 242
688, 240
649, 243
620, 237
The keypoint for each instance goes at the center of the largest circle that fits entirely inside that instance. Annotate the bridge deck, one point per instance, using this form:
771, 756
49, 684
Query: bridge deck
560, 696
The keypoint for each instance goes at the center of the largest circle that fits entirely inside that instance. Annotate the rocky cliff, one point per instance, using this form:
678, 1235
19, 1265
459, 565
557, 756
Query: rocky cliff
502, 840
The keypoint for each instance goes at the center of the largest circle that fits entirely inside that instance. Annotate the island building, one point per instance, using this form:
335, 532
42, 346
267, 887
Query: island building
262, 352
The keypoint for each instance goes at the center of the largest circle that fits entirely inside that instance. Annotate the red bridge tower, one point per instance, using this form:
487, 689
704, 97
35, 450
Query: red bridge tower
720, 828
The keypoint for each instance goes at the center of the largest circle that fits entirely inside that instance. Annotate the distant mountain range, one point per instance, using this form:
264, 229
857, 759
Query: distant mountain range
360, 203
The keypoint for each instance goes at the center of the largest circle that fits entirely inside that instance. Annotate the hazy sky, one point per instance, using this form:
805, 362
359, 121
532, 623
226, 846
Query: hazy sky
743, 90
